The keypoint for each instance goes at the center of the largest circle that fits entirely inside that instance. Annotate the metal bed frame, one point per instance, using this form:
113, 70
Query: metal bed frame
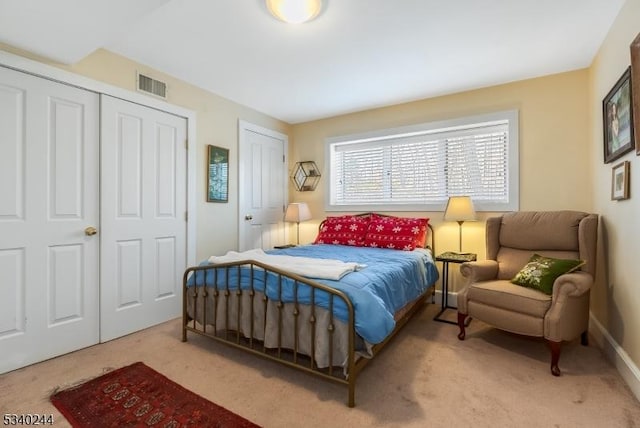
228, 334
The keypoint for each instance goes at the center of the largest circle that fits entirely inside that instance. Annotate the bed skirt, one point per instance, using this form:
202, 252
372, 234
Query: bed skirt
276, 325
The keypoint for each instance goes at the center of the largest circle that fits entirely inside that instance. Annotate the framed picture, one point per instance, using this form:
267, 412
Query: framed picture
620, 181
617, 114
218, 174
635, 81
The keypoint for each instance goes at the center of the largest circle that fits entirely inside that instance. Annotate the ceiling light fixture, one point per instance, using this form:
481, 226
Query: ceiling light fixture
294, 11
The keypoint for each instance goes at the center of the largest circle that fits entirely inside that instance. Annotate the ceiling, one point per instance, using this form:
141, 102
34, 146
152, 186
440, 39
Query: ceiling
357, 55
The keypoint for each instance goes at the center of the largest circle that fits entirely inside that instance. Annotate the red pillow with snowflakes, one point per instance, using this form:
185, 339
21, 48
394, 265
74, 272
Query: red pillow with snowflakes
397, 233
344, 230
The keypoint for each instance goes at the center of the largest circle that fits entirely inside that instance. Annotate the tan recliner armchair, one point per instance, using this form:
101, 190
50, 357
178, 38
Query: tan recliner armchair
512, 239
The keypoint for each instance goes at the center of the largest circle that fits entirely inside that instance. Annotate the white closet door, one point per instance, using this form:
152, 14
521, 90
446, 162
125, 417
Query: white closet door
49, 170
143, 208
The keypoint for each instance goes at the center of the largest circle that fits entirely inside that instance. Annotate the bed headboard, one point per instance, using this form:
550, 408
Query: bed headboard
428, 243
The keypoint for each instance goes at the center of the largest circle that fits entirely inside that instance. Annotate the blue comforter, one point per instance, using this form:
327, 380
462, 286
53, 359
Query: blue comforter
391, 279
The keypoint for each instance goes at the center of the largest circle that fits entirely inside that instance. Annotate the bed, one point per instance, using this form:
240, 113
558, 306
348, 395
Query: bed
330, 320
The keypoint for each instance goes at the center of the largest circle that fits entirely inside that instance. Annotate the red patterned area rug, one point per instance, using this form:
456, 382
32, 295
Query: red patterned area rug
138, 396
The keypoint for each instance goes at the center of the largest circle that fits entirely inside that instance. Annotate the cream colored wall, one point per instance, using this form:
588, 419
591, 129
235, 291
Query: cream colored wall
615, 300
554, 155
217, 124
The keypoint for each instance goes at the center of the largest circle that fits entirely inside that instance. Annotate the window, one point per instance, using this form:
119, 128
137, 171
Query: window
417, 168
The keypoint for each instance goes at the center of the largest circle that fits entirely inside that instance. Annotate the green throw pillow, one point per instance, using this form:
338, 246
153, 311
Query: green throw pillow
541, 272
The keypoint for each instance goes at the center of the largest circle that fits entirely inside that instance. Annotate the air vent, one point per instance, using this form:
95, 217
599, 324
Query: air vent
152, 86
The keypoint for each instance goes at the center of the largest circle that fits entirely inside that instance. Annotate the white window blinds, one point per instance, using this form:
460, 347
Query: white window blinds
422, 168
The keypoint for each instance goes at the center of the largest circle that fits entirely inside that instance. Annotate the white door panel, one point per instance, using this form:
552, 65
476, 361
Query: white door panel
48, 195
143, 194
13, 304
263, 187
12, 150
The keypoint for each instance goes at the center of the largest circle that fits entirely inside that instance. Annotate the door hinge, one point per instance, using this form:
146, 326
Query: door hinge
186, 216
283, 159
186, 144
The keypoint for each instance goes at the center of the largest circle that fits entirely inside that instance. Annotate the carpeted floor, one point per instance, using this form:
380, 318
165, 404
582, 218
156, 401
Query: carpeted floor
425, 377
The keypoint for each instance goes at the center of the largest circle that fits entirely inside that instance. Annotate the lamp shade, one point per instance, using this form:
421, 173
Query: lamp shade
294, 11
460, 208
297, 212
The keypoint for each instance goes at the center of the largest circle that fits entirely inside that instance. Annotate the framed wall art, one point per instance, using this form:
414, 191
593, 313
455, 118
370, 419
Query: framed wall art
635, 95
620, 181
218, 174
617, 114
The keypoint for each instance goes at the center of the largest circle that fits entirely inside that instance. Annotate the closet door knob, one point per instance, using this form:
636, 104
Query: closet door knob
90, 231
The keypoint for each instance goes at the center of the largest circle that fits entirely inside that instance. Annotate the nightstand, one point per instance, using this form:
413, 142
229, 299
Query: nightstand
447, 258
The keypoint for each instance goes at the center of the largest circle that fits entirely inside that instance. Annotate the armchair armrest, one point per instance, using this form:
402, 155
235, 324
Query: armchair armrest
482, 270
568, 315
572, 284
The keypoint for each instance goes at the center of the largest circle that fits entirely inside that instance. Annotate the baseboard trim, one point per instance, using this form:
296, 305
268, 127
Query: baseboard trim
618, 356
452, 298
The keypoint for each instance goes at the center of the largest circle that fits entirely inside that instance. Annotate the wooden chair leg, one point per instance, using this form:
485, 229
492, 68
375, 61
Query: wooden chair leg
584, 338
461, 319
555, 357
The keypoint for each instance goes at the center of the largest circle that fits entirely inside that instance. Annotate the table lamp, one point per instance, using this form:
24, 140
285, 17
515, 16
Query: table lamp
460, 209
297, 212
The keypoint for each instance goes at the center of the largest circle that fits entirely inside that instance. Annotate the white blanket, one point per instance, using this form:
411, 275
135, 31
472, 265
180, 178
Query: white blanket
304, 266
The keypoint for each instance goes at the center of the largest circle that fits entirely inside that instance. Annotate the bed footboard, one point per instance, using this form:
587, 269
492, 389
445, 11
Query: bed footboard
283, 317
273, 314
